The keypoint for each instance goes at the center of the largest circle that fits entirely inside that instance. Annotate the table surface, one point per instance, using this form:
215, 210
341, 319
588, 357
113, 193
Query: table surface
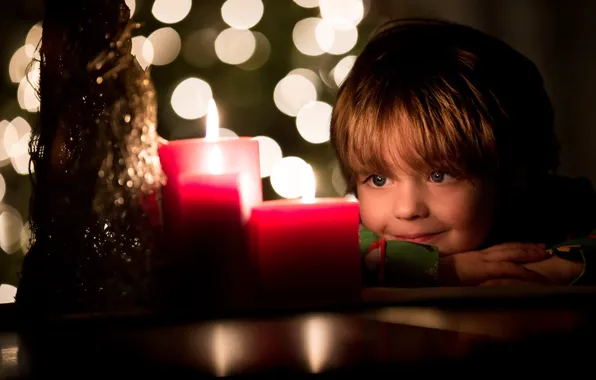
394, 329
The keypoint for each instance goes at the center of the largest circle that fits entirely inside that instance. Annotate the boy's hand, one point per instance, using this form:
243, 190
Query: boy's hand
499, 262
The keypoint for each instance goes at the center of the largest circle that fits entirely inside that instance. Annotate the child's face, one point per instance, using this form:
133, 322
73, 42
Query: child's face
437, 209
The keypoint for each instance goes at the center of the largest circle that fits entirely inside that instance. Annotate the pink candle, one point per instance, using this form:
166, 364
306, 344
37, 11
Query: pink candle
212, 185
308, 251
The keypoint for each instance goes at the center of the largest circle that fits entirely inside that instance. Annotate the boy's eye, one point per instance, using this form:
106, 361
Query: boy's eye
440, 177
377, 180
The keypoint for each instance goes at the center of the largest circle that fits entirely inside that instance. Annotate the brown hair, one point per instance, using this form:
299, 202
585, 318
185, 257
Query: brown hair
443, 96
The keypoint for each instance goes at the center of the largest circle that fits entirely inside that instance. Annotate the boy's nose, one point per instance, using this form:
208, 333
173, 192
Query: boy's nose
409, 203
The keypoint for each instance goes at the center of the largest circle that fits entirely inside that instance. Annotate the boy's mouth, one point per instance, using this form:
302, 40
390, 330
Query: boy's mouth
419, 238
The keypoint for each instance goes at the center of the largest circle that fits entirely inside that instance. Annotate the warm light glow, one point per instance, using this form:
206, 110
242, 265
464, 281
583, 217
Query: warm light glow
313, 36
288, 177
132, 4
11, 224
307, 3
227, 349
269, 154
212, 134
343, 68
7, 294
342, 14
309, 187
215, 160
190, 99
171, 11
292, 93
235, 46
314, 122
317, 343
212, 130
166, 43
242, 14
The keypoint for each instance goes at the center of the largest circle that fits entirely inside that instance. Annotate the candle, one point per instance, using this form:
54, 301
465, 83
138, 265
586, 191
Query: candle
212, 185
307, 250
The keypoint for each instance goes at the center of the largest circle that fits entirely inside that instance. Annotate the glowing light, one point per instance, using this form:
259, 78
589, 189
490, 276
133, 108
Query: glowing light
307, 3
342, 14
289, 176
270, 154
313, 122
7, 293
343, 68
212, 130
143, 50
317, 343
2, 187
292, 93
242, 14
171, 11
312, 36
11, 225
234, 46
166, 44
132, 4
190, 99
18, 64
32, 41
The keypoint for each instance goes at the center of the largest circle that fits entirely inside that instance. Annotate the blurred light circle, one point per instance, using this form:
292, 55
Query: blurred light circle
7, 293
190, 98
18, 64
269, 154
5, 149
2, 187
171, 11
198, 48
132, 4
11, 224
16, 137
337, 180
20, 163
26, 237
292, 93
344, 41
33, 40
142, 49
342, 69
260, 55
289, 176
342, 14
307, 3
234, 46
312, 36
313, 122
242, 14
166, 44
310, 75
27, 96
227, 133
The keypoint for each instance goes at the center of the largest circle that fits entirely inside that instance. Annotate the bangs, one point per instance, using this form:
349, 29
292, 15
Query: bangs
426, 129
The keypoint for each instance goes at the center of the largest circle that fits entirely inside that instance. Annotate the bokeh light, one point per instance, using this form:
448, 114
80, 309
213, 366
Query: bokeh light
307, 3
26, 238
242, 14
343, 41
270, 154
260, 55
7, 293
166, 44
312, 36
142, 49
289, 177
342, 14
310, 75
343, 68
11, 224
2, 187
32, 41
191, 97
292, 93
227, 133
235, 46
18, 64
337, 180
132, 5
171, 11
313, 122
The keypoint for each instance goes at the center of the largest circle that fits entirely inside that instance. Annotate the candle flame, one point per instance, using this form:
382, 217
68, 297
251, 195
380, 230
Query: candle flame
212, 130
309, 185
215, 163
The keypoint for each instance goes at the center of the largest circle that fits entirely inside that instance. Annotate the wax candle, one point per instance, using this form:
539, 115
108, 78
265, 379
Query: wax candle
307, 250
212, 185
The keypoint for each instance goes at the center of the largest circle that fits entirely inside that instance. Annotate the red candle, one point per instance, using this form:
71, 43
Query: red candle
212, 185
308, 251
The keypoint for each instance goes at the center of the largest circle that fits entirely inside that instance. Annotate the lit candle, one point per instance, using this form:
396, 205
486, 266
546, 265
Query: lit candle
212, 185
307, 250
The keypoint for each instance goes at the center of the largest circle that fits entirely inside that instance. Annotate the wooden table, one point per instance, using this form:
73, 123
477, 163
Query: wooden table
393, 331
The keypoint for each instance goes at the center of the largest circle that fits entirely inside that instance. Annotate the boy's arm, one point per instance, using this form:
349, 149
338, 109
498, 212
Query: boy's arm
397, 263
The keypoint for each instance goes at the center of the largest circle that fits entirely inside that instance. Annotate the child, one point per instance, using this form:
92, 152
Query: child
446, 136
